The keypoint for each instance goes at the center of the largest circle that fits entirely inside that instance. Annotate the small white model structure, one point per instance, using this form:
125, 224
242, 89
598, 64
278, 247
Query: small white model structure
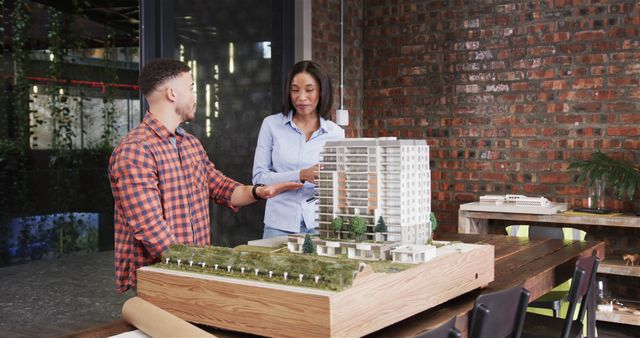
412, 253
375, 179
516, 200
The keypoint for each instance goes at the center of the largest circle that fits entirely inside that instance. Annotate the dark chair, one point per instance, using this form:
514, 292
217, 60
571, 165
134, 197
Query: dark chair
499, 314
555, 298
446, 330
582, 288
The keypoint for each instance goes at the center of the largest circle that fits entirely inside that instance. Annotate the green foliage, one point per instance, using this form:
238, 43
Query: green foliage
109, 112
434, 222
622, 176
88, 241
61, 116
358, 228
66, 183
65, 227
337, 224
381, 226
21, 19
307, 246
334, 273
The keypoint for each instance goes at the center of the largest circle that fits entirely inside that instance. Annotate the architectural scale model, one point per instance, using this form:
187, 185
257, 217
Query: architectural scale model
510, 204
375, 181
374, 215
519, 200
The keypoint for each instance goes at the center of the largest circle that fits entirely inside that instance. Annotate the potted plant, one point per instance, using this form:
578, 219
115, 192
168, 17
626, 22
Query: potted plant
622, 177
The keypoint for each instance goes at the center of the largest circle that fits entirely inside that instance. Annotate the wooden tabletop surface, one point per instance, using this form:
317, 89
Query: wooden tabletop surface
538, 264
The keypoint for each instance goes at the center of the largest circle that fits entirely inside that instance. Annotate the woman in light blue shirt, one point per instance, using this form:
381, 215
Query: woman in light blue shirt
289, 147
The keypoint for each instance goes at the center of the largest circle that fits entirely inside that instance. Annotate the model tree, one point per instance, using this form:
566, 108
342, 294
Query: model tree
358, 228
381, 226
434, 222
307, 246
336, 224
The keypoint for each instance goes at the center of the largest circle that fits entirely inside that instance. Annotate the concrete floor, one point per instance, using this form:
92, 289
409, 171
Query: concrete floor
50, 298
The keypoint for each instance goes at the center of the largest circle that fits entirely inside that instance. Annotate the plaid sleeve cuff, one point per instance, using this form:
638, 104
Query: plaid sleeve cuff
221, 187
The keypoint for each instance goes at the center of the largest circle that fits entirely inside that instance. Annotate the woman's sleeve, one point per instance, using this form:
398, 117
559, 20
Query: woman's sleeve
263, 172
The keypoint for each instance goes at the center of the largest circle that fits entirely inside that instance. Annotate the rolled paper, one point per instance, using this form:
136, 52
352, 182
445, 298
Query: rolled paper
157, 322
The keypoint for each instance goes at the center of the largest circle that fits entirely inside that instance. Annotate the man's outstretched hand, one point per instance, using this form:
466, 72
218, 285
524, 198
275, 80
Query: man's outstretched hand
273, 190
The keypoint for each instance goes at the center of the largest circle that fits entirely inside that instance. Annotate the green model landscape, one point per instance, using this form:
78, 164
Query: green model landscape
334, 274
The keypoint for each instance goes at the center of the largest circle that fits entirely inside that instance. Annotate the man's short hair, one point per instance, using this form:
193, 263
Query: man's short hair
155, 72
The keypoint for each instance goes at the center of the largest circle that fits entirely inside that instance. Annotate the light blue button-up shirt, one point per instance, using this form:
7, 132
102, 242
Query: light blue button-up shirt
280, 155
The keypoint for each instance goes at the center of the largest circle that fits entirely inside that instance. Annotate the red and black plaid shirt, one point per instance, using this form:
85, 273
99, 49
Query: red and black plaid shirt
161, 184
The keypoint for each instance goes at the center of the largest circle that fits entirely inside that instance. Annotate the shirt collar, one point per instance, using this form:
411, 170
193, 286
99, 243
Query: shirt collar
157, 127
289, 119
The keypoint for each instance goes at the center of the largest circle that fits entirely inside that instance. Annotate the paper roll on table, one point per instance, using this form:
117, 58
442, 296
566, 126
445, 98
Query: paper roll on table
157, 322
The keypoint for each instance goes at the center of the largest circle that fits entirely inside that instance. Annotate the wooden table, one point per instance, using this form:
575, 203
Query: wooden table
476, 222
538, 264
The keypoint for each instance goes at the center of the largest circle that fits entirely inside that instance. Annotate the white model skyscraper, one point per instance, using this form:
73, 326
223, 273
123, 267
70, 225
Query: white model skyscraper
373, 178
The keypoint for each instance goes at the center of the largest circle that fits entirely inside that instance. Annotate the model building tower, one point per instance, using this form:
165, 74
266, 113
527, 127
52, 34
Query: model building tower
373, 179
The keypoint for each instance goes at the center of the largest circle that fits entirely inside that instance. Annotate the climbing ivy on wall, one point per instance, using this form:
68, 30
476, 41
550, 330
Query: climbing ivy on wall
21, 19
110, 75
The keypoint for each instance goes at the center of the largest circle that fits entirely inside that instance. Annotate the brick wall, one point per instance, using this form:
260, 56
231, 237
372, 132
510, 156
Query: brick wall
505, 93
326, 51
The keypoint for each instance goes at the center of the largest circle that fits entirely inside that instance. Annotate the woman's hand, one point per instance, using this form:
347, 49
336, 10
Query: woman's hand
309, 174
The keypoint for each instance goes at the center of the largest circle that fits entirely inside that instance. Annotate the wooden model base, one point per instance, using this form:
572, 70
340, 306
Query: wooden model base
374, 301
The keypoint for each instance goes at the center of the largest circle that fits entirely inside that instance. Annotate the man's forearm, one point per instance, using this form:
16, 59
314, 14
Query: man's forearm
242, 195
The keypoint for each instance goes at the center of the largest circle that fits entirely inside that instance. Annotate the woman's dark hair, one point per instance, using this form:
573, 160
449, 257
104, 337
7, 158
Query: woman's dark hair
326, 89
158, 71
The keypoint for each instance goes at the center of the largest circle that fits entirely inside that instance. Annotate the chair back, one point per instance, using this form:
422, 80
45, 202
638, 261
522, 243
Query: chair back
446, 330
537, 232
499, 314
582, 286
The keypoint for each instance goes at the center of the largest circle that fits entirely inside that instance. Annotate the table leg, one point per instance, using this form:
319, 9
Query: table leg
467, 225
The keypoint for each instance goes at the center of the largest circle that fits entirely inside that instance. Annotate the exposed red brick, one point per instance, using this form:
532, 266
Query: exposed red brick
590, 35
555, 84
623, 131
624, 82
514, 88
540, 144
630, 118
554, 177
587, 83
523, 132
540, 74
605, 95
556, 37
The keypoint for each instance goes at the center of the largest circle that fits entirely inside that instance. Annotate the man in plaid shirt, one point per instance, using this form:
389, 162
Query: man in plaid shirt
162, 179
